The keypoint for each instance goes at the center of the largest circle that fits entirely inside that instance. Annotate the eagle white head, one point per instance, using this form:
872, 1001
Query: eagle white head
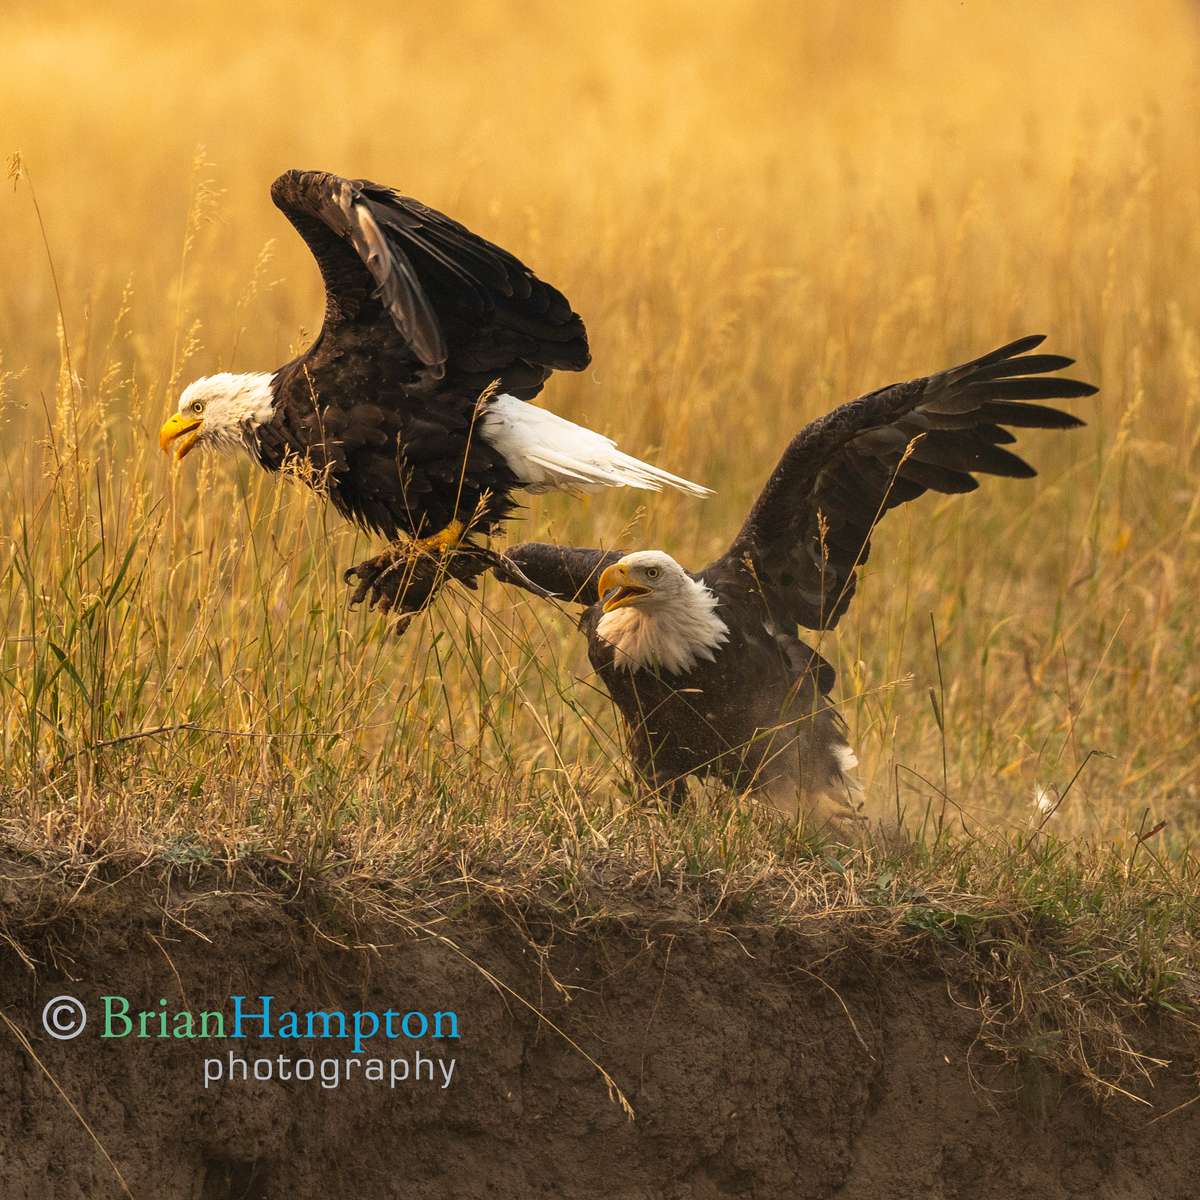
656, 615
216, 411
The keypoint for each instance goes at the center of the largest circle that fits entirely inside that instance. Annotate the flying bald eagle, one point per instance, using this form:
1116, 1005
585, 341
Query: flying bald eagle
409, 410
705, 667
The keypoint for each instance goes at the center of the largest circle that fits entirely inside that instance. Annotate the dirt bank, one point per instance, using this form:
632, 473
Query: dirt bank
761, 1060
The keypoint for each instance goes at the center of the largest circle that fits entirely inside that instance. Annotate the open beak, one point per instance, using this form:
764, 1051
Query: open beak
180, 433
617, 589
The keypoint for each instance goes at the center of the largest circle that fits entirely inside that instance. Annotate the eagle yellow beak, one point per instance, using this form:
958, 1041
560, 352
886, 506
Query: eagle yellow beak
179, 433
616, 588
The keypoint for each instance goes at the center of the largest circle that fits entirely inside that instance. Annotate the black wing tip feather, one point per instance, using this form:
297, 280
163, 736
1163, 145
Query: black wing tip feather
1009, 377
1023, 344
1021, 415
1013, 360
1010, 350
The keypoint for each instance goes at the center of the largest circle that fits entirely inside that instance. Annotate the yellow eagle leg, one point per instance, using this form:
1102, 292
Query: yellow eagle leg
437, 545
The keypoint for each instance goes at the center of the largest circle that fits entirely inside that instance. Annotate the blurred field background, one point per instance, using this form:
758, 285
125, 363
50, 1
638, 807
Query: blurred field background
761, 210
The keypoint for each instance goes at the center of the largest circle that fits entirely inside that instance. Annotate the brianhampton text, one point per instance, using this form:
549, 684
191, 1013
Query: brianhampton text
261, 1018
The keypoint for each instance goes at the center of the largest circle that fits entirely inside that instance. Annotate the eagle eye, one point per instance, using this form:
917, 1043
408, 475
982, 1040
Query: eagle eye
197, 407
652, 572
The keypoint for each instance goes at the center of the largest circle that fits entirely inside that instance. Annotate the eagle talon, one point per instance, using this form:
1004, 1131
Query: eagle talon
404, 580
507, 571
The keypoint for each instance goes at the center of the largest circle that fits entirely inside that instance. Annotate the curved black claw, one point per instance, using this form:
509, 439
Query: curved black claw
507, 571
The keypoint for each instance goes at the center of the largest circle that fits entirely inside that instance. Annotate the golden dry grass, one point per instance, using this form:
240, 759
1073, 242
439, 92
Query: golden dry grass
761, 210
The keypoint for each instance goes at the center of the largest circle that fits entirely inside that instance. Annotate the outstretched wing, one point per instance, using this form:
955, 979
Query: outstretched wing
810, 529
569, 572
466, 312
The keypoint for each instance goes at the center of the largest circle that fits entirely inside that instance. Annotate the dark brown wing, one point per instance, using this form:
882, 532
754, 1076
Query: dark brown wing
467, 312
810, 528
569, 572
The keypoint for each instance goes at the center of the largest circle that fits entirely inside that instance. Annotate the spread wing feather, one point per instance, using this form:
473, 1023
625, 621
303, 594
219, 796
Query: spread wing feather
465, 311
810, 529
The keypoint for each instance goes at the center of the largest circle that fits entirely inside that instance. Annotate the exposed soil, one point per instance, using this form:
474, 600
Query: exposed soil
761, 1061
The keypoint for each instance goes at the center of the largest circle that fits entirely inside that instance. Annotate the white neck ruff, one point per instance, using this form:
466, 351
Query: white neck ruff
672, 632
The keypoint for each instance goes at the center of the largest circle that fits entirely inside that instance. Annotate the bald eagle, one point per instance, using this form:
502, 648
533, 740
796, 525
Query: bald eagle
409, 410
705, 667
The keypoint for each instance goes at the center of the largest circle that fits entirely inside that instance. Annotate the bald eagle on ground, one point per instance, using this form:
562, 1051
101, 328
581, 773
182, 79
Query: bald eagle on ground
705, 667
409, 410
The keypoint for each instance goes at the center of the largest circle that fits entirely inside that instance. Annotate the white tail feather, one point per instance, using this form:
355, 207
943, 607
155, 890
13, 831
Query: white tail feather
548, 453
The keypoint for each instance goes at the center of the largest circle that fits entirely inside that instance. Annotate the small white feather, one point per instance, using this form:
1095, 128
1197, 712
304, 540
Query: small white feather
847, 760
548, 453
1045, 799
